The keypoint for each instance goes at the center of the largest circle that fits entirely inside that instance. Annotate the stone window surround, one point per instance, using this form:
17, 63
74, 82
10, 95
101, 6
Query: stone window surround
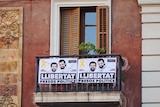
55, 21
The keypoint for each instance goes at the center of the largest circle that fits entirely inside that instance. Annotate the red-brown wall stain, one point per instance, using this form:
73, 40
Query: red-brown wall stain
126, 40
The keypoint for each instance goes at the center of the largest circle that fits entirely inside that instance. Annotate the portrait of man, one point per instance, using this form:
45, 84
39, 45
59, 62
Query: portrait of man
101, 63
54, 66
62, 64
92, 66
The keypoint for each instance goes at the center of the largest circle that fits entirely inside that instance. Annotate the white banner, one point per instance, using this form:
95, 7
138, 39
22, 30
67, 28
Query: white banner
97, 70
73, 70
57, 70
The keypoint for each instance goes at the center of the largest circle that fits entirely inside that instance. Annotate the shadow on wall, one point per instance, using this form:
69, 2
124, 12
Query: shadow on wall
125, 69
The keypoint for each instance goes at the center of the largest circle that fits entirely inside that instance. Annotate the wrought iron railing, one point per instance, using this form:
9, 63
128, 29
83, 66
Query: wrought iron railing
81, 87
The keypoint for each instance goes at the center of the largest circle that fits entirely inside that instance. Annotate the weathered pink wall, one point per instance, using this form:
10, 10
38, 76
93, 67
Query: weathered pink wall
126, 40
35, 41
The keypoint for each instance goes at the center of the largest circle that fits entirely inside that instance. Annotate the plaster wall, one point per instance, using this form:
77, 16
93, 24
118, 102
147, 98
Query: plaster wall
125, 39
150, 52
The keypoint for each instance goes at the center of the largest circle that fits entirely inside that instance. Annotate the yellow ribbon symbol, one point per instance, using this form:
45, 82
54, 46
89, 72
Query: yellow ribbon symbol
43, 63
82, 63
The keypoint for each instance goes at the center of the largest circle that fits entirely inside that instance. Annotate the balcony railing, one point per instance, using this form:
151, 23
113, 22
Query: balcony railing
86, 85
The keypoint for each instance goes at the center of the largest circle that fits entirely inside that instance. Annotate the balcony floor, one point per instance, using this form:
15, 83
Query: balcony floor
55, 97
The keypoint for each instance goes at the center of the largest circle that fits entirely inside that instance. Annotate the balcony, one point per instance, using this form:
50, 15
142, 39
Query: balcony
81, 85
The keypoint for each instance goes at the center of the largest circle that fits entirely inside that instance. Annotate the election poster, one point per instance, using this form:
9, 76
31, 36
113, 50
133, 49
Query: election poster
57, 70
97, 70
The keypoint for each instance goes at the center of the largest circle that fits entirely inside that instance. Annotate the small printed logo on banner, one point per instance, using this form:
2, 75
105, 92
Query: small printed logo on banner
111, 60
72, 61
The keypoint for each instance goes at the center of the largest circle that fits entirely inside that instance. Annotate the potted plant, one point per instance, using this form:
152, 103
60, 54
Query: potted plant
90, 48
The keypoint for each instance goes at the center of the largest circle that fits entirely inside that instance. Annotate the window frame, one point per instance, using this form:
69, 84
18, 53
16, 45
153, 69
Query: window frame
83, 26
55, 19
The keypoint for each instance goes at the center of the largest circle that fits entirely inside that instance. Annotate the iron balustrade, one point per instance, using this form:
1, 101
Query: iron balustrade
82, 87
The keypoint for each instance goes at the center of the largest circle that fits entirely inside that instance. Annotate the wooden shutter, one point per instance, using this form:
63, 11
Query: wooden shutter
70, 22
102, 27
65, 32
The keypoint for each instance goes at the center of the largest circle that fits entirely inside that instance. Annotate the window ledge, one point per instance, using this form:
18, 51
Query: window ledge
148, 2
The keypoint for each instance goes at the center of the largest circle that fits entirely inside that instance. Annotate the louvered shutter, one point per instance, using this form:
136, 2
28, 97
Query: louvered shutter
65, 32
102, 27
70, 22
75, 28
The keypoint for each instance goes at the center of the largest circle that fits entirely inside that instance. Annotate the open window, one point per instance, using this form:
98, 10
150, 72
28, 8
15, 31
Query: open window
83, 24
97, 31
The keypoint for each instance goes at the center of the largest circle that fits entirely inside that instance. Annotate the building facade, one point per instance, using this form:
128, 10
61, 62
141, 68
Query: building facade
31, 28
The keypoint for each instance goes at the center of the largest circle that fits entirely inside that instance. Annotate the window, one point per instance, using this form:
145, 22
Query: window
90, 27
86, 10
83, 24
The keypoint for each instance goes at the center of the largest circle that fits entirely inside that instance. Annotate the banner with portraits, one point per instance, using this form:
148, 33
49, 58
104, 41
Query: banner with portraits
73, 70
97, 70
57, 70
